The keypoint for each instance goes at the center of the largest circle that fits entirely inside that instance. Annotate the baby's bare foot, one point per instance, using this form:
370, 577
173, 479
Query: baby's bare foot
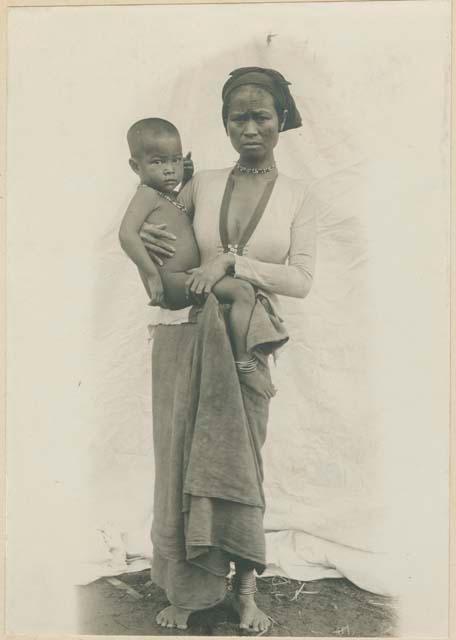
251, 617
173, 617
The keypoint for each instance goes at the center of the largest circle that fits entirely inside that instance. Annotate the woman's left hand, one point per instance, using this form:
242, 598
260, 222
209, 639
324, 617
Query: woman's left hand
189, 168
202, 279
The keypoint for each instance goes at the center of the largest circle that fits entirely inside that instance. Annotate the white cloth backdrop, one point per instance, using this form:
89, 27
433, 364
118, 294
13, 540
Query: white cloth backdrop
362, 401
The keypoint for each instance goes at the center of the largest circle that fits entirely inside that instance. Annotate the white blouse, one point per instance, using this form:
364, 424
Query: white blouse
279, 258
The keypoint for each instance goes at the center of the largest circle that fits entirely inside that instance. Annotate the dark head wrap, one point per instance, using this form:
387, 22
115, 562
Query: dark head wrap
273, 82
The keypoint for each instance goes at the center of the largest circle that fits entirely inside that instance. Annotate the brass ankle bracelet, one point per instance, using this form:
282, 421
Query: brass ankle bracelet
245, 584
246, 366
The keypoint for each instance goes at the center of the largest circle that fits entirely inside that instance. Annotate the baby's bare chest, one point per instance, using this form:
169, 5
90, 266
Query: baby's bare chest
178, 223
167, 213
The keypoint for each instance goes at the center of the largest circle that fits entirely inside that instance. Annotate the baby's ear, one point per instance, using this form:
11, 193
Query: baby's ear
134, 165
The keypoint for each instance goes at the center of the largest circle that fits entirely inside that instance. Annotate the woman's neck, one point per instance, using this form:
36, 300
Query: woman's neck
254, 163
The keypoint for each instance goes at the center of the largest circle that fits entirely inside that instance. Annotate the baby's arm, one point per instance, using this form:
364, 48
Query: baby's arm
140, 207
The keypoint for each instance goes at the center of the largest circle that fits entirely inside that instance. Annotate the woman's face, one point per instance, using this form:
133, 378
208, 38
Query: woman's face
253, 124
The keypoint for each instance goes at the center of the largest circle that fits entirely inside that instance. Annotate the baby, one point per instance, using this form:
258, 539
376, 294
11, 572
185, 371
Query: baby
156, 156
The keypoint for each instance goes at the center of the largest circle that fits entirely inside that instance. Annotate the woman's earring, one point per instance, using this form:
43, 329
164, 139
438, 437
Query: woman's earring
284, 119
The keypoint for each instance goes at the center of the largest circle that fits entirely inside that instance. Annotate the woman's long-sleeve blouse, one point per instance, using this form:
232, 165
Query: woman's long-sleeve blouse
279, 258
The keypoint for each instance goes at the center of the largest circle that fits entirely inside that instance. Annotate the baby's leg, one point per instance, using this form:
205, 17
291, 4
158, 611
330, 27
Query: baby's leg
174, 287
237, 293
241, 296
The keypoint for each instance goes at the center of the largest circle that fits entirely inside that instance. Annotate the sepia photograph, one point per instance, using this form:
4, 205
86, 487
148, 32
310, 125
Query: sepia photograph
228, 319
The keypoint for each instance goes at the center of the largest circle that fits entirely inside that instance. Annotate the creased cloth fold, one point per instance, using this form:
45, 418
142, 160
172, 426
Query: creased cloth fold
221, 459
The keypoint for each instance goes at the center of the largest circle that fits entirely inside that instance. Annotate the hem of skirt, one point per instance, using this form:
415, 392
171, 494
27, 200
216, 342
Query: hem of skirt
197, 493
185, 558
261, 564
202, 608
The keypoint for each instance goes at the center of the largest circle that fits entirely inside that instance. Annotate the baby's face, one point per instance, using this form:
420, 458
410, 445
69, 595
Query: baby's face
160, 164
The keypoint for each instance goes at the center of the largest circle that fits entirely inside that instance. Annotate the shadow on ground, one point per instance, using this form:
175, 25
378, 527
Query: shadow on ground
128, 604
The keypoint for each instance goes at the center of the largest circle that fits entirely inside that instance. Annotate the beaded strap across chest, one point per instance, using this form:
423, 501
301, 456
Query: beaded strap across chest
238, 248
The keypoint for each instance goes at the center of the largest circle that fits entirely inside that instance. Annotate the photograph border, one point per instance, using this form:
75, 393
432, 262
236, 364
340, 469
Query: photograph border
5, 5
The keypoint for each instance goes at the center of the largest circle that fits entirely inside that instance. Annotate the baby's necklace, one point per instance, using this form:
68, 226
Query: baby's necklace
182, 208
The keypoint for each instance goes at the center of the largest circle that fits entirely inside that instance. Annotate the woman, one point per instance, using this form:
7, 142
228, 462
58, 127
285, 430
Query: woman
257, 225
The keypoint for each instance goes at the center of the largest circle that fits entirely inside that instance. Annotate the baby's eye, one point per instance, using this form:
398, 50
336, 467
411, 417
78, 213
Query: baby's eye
155, 161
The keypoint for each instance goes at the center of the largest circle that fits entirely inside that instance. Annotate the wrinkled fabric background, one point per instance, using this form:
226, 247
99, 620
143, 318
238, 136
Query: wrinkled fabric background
355, 461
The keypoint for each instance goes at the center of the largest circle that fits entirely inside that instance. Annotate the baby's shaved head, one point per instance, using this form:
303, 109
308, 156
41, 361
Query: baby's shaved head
144, 132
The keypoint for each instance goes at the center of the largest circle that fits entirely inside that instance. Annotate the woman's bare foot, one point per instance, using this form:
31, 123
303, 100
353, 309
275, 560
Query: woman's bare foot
258, 382
251, 617
173, 617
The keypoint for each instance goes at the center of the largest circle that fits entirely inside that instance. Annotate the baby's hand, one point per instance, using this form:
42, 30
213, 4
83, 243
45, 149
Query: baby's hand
189, 168
156, 292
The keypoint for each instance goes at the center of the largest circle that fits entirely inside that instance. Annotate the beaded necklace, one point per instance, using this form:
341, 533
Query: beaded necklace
182, 208
253, 170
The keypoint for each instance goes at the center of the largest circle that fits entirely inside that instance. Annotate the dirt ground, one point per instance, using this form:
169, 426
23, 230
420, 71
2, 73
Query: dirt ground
128, 604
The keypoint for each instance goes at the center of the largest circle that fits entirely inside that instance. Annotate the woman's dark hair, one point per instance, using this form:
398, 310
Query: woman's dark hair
271, 81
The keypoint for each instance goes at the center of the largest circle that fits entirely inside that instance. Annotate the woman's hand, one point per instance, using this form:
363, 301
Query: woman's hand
189, 168
202, 279
157, 241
